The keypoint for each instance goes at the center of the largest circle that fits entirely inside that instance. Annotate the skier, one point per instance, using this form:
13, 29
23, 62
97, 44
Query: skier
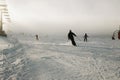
36, 37
71, 37
85, 37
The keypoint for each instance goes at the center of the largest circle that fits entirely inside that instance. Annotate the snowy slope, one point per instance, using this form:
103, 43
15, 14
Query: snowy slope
98, 59
13, 60
53, 58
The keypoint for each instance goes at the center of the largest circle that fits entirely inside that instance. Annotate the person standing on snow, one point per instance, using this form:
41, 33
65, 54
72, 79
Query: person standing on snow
71, 37
85, 37
37, 38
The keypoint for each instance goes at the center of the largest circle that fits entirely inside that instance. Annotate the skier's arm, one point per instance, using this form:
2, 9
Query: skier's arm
74, 34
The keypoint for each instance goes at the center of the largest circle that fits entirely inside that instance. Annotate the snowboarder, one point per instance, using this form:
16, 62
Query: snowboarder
85, 37
71, 37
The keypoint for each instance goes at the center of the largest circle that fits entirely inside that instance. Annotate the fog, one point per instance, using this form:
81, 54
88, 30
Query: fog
58, 16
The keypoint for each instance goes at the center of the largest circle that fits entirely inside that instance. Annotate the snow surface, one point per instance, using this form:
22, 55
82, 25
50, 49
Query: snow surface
54, 58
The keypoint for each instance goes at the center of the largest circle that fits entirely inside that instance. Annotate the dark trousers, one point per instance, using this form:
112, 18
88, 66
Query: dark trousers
85, 39
73, 42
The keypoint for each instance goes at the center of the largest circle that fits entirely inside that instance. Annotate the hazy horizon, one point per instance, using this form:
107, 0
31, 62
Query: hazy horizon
59, 16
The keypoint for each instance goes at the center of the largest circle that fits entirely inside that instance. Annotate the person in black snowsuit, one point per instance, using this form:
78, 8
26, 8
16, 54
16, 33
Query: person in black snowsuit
36, 37
71, 37
85, 37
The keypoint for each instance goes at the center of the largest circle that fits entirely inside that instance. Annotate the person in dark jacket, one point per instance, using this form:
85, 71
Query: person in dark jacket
37, 38
71, 37
85, 37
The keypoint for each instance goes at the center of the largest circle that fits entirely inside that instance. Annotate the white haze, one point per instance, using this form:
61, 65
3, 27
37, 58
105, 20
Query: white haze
58, 16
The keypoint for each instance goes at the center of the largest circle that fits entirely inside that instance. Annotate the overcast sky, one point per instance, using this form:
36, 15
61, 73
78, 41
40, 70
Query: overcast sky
58, 16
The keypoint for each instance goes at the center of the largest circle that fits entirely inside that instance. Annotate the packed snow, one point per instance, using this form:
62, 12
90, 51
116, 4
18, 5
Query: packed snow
22, 57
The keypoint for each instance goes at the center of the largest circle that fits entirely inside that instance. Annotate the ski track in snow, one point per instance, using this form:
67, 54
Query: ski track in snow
28, 59
56, 63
